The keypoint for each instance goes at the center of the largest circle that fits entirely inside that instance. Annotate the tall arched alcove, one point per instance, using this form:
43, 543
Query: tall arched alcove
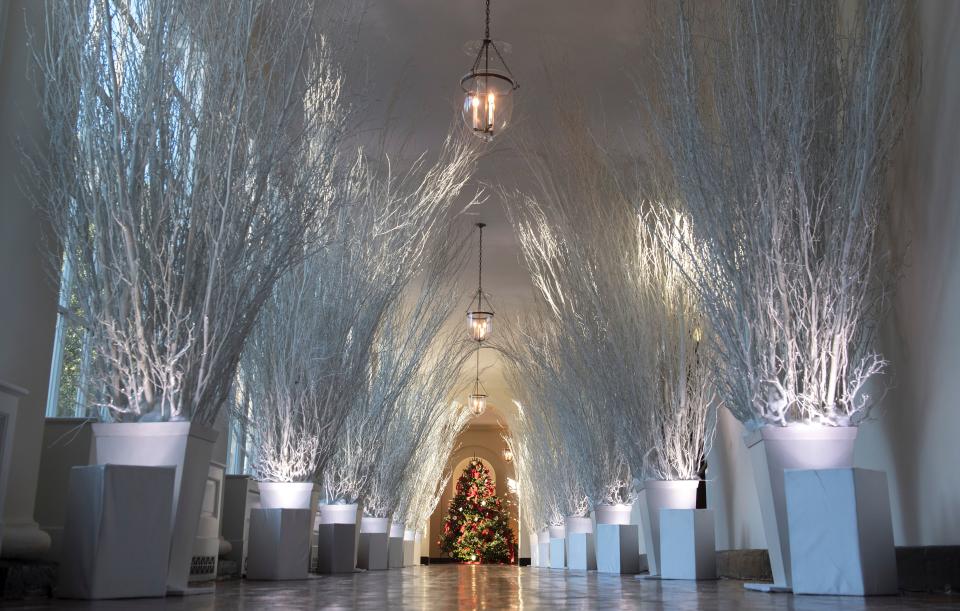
483, 441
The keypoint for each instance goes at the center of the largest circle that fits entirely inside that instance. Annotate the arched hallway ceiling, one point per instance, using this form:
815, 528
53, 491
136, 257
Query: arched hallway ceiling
413, 51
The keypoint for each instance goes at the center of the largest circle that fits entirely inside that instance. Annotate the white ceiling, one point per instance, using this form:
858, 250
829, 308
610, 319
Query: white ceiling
412, 51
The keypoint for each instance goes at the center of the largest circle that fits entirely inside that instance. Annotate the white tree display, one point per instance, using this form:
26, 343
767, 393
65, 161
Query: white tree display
418, 259
549, 449
424, 481
777, 129
193, 145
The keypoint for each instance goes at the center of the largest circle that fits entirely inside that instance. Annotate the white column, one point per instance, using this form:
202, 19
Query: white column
28, 295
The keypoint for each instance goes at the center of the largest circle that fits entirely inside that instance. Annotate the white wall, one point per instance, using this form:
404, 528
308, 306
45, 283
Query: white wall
28, 297
915, 437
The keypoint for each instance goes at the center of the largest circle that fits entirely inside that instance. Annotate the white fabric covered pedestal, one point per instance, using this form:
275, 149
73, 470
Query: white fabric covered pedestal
656, 496
116, 534
373, 553
581, 551
338, 538
279, 547
687, 544
558, 547
543, 543
409, 542
534, 549
618, 548
188, 446
395, 548
774, 449
841, 534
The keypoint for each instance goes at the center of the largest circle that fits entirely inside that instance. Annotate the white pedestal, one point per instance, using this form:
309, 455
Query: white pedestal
841, 533
116, 537
544, 553
581, 552
409, 541
337, 548
774, 449
241, 494
374, 552
206, 545
335, 552
688, 542
656, 496
558, 555
395, 552
534, 550
185, 445
279, 544
618, 548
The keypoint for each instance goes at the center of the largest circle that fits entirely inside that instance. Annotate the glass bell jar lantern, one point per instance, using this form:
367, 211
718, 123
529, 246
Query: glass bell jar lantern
477, 403
480, 317
507, 455
488, 89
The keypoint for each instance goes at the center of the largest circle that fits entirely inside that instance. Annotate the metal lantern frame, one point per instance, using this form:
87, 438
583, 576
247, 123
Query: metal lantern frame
477, 402
482, 69
484, 316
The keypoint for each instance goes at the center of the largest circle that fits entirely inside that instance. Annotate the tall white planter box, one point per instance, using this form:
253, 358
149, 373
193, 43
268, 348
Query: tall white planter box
774, 449
187, 446
841, 533
279, 544
241, 494
558, 547
395, 547
206, 546
581, 552
418, 549
659, 495
688, 544
339, 538
374, 551
116, 537
617, 540
534, 549
409, 542
543, 543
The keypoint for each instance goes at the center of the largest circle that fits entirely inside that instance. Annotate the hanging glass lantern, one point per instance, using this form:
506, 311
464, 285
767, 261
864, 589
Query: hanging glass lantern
488, 89
480, 319
508, 455
477, 403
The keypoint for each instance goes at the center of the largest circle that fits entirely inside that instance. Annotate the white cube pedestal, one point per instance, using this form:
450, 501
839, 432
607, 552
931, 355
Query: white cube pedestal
581, 552
408, 546
558, 556
116, 534
544, 553
336, 548
373, 554
618, 548
841, 533
279, 546
395, 552
534, 550
687, 544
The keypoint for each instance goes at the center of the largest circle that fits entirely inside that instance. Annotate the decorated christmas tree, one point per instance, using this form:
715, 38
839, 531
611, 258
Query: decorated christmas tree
477, 527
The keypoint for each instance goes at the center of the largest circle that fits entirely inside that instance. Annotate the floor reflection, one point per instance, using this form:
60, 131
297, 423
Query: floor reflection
495, 587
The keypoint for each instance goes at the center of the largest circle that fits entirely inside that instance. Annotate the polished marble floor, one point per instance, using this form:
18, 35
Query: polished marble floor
496, 587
